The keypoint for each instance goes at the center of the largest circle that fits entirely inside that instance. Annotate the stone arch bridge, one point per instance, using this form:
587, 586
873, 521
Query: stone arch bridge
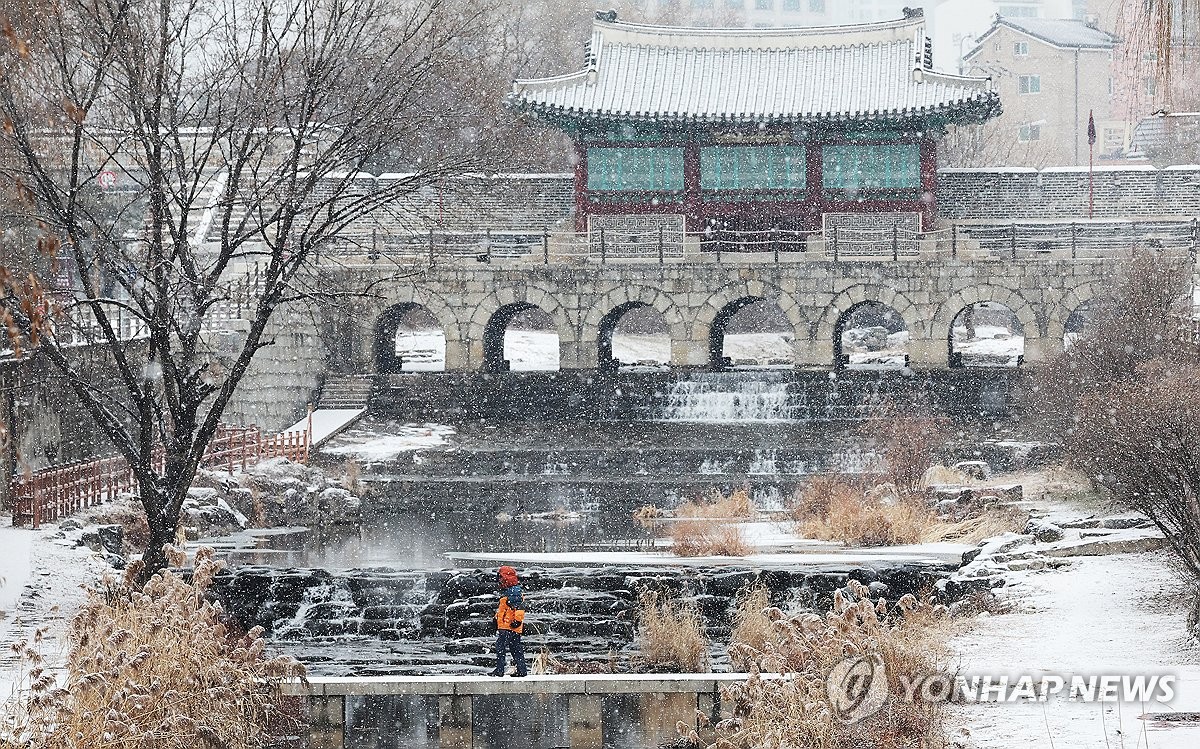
474, 301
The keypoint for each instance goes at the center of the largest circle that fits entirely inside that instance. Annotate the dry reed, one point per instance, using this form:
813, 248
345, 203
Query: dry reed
839, 512
708, 538
736, 504
797, 711
670, 636
152, 668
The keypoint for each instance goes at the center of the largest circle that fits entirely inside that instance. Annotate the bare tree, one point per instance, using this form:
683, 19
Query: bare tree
164, 147
1134, 323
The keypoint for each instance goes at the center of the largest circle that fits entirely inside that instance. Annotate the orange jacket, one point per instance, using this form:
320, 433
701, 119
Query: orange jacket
510, 615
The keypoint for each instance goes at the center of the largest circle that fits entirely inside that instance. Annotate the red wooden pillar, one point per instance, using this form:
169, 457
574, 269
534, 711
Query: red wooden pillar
693, 204
580, 185
814, 187
928, 183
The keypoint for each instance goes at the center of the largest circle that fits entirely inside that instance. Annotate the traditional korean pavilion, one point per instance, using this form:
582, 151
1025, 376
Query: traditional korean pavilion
750, 129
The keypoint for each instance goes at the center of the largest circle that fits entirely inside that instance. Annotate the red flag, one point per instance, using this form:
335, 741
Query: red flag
1091, 129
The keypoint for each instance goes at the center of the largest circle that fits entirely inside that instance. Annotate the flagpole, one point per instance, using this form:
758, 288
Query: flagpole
1091, 163
1091, 180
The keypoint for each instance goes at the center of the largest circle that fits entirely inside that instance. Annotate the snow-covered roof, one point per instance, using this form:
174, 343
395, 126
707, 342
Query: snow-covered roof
877, 71
1064, 33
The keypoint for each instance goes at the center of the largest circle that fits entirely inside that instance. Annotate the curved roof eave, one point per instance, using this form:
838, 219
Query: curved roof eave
976, 110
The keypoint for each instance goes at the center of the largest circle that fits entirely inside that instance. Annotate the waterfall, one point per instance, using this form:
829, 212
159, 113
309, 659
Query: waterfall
763, 463
733, 397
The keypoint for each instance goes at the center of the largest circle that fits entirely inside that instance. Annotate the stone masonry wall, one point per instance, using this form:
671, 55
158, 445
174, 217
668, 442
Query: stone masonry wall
690, 296
1062, 193
283, 377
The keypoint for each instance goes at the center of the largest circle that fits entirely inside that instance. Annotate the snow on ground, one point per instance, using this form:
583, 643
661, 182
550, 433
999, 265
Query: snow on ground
642, 349
827, 558
374, 447
994, 342
760, 348
326, 422
890, 357
43, 587
421, 350
1119, 614
530, 350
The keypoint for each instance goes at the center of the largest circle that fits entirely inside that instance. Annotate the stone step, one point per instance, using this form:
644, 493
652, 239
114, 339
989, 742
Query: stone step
346, 392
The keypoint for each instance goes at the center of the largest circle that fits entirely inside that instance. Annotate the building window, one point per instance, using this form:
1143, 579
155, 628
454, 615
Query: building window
702, 3
874, 168
816, 6
752, 168
764, 4
1114, 140
1151, 87
792, 6
1021, 49
1029, 133
1030, 84
734, 4
647, 169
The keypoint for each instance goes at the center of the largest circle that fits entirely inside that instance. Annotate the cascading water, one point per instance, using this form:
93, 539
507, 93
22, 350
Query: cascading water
735, 397
764, 463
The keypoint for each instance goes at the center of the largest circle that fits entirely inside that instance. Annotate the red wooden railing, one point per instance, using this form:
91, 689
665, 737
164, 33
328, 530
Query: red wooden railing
53, 493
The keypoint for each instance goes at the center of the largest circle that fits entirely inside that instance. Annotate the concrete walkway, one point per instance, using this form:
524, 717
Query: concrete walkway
360, 686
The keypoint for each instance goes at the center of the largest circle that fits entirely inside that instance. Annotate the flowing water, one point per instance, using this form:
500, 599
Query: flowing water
376, 599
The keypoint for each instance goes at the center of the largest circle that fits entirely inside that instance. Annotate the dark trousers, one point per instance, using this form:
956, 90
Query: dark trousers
508, 641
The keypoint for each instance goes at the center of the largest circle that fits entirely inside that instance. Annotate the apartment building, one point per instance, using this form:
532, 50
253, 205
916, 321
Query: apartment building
1050, 74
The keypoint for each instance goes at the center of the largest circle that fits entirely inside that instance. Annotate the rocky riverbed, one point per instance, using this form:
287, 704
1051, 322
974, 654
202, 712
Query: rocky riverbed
412, 622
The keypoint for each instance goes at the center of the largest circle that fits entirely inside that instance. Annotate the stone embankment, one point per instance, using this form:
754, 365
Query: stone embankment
581, 612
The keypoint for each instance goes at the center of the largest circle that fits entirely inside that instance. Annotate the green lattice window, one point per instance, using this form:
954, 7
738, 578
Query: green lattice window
753, 168
650, 169
872, 168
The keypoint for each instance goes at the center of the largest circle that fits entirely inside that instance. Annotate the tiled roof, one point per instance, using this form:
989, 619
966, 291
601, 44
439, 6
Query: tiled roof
861, 72
1059, 32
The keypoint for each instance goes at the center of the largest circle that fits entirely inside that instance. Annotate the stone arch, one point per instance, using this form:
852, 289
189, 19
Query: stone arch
859, 294
384, 355
722, 305
949, 309
436, 304
603, 317
399, 303
841, 359
625, 295
1072, 300
732, 293
607, 329
506, 303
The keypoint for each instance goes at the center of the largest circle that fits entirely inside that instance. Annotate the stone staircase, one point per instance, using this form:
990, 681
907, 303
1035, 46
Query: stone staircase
346, 391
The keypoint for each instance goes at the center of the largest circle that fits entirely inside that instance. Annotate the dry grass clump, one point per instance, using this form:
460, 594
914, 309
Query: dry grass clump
797, 711
833, 511
737, 504
670, 636
989, 524
830, 509
750, 626
152, 668
708, 538
546, 662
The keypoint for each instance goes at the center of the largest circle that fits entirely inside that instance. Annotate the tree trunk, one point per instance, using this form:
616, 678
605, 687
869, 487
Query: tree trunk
162, 524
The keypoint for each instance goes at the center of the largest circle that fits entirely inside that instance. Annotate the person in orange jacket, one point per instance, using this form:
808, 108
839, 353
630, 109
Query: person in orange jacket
510, 622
